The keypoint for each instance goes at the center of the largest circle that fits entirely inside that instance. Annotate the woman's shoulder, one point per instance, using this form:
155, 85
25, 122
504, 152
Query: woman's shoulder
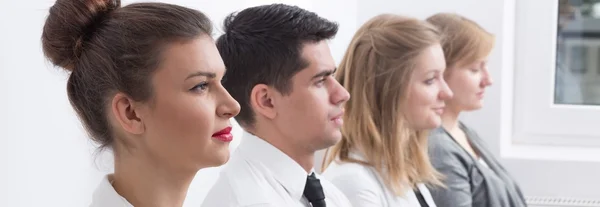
351, 172
443, 150
357, 181
471, 133
439, 139
339, 168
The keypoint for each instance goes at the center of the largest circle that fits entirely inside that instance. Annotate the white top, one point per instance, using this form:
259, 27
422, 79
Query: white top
260, 175
106, 196
365, 188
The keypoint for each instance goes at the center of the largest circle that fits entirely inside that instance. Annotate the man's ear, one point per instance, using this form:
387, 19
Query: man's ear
124, 109
262, 102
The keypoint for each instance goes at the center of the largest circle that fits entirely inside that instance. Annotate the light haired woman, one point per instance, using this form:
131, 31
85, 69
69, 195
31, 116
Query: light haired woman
473, 177
393, 70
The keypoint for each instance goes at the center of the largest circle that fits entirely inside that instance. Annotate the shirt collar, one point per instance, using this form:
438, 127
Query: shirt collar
105, 195
283, 168
357, 156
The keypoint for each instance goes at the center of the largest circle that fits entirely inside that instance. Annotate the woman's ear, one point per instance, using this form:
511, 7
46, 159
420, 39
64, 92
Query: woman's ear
125, 111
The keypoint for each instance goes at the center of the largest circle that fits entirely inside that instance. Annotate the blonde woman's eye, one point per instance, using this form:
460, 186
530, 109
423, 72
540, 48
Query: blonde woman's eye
429, 81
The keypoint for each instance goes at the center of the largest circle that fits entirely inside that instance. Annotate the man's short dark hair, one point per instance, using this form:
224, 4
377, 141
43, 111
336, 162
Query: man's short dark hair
263, 45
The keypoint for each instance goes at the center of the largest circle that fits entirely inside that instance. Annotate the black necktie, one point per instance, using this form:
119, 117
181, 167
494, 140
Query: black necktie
314, 192
421, 199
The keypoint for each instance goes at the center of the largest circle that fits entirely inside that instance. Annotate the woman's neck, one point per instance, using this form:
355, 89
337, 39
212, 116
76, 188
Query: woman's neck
450, 120
451, 125
145, 182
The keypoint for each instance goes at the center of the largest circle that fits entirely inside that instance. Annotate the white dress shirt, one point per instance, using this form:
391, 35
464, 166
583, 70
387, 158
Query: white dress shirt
260, 175
365, 188
106, 196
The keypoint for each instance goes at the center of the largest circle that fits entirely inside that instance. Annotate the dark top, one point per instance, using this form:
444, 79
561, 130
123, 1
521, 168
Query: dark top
469, 183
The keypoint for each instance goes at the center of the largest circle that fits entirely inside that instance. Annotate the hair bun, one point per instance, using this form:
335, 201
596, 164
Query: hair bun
71, 23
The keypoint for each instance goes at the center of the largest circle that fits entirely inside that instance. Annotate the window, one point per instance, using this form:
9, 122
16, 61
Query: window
578, 39
557, 73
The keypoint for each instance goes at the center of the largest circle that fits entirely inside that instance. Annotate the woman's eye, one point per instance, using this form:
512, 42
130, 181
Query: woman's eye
200, 87
430, 81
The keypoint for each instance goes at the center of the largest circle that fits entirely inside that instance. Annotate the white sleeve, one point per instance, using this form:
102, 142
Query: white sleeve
361, 189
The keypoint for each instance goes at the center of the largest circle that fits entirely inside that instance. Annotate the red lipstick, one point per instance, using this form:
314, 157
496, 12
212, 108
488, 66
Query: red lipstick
224, 135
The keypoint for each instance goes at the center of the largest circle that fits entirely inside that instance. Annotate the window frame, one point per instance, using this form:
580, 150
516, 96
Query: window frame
537, 120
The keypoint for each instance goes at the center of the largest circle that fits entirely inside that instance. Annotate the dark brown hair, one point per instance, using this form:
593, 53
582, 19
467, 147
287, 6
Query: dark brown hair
110, 49
263, 45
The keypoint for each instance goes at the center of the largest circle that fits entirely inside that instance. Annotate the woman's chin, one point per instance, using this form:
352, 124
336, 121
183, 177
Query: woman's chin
219, 158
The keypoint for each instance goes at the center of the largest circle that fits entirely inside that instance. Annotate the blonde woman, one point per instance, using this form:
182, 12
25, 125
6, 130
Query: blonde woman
393, 70
473, 177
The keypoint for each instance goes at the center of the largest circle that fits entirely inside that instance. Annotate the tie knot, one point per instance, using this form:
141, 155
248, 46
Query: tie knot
313, 191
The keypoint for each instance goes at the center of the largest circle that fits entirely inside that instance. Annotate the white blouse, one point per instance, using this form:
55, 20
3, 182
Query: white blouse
106, 196
365, 188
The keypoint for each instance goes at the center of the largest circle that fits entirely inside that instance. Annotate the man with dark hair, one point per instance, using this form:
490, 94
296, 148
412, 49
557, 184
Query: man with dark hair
279, 68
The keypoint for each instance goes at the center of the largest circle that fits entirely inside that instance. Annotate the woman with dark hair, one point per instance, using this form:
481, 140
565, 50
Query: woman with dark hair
146, 83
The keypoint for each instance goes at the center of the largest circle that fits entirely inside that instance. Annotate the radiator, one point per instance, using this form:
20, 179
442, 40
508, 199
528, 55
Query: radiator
534, 201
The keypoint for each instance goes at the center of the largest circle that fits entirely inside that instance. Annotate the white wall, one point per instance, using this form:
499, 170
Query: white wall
46, 159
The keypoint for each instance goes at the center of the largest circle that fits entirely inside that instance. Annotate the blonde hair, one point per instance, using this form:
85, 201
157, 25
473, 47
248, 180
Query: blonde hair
464, 42
376, 70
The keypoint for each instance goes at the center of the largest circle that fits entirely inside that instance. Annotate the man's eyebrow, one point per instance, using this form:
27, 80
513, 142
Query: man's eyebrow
324, 73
